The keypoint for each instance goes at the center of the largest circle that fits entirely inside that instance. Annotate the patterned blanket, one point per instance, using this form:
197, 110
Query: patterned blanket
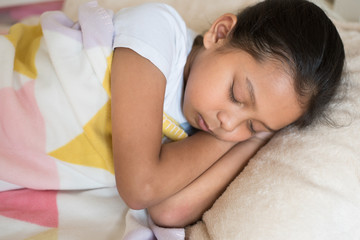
56, 168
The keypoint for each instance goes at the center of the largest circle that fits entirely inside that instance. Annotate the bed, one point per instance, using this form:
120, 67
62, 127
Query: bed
301, 185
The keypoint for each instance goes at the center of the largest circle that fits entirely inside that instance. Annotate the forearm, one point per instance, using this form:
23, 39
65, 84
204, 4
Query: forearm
160, 176
189, 204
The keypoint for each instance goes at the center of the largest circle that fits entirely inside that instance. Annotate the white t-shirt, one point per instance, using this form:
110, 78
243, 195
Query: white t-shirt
157, 32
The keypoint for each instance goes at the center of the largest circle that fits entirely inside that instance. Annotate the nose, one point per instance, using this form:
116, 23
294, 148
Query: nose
228, 121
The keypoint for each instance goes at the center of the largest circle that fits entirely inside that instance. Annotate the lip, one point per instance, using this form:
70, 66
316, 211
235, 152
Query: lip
202, 124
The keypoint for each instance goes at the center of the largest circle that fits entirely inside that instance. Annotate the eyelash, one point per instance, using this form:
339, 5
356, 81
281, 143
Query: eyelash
251, 127
231, 94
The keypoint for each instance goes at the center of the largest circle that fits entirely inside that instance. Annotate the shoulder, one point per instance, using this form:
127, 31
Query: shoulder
154, 23
153, 30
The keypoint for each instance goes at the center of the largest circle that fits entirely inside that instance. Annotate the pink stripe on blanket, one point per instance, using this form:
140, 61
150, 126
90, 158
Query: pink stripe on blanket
23, 159
22, 11
38, 207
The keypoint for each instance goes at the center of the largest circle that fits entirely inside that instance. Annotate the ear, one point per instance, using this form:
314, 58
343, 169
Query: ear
219, 30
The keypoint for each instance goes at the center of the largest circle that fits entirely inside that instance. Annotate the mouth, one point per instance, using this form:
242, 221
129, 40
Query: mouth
202, 124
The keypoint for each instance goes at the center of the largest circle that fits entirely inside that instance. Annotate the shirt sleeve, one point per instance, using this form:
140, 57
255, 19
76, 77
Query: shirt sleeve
152, 30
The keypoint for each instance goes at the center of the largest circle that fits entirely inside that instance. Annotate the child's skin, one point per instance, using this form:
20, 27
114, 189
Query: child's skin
237, 101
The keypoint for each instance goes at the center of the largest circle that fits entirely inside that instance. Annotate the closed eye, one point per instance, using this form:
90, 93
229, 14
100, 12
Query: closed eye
232, 95
251, 127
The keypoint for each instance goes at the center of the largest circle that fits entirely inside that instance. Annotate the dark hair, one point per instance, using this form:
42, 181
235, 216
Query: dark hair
300, 34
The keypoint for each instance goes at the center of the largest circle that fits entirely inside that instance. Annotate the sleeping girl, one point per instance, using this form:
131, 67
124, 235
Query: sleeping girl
276, 64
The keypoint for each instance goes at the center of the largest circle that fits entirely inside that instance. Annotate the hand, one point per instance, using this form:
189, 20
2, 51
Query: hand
263, 137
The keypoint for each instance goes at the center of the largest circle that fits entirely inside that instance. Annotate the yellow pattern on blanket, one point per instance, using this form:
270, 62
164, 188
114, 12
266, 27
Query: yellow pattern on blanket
66, 82
26, 41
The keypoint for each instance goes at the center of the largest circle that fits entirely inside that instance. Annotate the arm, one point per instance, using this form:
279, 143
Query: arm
146, 171
188, 205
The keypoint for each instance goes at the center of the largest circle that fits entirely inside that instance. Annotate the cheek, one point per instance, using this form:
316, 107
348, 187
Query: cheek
193, 93
188, 105
191, 105
205, 91
199, 101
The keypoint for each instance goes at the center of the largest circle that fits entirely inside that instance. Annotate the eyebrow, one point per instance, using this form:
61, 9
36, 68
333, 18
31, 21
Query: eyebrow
251, 91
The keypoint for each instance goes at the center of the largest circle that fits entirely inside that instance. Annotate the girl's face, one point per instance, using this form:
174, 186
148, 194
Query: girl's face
233, 96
